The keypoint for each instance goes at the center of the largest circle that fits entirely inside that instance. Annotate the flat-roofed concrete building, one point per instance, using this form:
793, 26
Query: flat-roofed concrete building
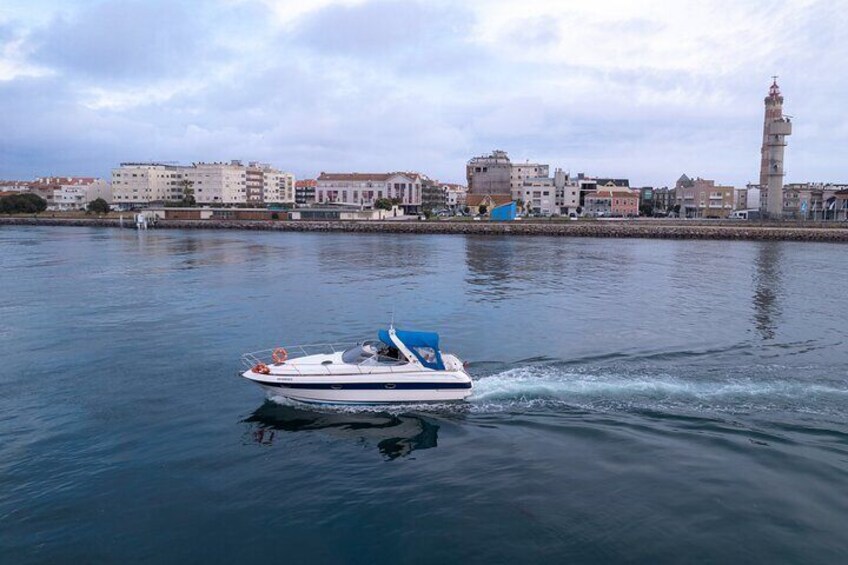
538, 195
455, 195
136, 184
489, 174
567, 193
702, 198
521, 172
218, 183
304, 191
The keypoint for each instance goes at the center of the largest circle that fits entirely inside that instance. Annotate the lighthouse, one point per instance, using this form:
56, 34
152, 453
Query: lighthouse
776, 127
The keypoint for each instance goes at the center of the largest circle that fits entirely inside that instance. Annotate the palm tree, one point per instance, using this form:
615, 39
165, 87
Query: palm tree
188, 192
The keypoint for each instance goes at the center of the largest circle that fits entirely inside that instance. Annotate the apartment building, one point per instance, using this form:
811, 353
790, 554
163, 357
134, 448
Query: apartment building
220, 183
538, 195
364, 189
455, 195
702, 198
135, 184
521, 172
304, 191
432, 195
70, 193
567, 193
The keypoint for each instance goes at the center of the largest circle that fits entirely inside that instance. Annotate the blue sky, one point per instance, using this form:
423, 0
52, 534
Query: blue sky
645, 90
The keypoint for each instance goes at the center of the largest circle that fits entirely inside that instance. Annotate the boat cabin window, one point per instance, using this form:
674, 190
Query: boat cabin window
358, 354
427, 353
373, 352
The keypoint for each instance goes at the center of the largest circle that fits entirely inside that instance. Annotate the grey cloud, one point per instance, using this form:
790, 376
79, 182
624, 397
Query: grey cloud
121, 40
383, 28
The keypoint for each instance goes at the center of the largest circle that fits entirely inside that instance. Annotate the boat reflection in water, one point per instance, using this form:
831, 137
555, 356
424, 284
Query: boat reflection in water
396, 435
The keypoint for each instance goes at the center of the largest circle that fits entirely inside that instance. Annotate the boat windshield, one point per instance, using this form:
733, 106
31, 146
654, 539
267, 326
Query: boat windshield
372, 352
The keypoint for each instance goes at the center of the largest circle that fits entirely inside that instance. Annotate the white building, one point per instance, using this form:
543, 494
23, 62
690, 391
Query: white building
364, 189
71, 193
278, 187
567, 193
218, 183
550, 195
455, 195
538, 195
135, 184
521, 172
267, 185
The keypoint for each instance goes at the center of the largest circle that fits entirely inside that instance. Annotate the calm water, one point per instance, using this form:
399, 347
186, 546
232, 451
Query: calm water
635, 401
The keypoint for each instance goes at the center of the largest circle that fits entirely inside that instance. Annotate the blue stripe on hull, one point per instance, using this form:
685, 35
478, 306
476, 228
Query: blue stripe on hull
366, 386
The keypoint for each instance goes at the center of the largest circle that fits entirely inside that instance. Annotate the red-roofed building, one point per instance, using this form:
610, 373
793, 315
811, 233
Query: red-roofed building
614, 202
364, 189
304, 191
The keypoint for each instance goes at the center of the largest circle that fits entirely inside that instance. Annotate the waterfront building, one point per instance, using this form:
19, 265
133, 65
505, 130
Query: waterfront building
663, 199
612, 201
136, 184
364, 189
14, 186
702, 198
455, 195
71, 193
304, 192
432, 195
567, 193
538, 195
267, 185
489, 174
217, 183
776, 127
278, 187
588, 185
811, 200
521, 172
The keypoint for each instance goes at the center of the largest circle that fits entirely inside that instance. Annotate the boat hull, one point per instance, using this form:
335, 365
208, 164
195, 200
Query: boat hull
367, 390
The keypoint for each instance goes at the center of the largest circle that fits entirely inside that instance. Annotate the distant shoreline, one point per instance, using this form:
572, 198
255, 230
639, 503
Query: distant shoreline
647, 229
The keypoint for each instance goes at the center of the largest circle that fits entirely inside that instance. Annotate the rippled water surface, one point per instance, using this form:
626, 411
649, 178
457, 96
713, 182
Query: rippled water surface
635, 400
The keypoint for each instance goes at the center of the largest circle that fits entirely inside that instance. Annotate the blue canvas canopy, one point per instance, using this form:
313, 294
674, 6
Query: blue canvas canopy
416, 340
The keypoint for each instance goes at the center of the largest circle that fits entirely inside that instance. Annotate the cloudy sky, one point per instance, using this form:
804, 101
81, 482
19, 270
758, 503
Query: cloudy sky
645, 90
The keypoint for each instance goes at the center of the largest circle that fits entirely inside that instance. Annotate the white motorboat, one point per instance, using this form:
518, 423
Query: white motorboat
399, 367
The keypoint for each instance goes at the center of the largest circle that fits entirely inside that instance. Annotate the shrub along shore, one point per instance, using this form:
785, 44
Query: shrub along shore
652, 229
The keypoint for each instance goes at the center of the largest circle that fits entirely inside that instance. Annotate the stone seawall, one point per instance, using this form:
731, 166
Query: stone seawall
629, 229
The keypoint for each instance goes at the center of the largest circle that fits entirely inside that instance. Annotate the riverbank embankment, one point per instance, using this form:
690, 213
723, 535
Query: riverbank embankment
650, 229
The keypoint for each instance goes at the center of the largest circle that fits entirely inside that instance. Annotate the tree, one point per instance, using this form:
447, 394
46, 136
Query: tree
646, 209
188, 192
383, 204
26, 203
482, 209
98, 206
